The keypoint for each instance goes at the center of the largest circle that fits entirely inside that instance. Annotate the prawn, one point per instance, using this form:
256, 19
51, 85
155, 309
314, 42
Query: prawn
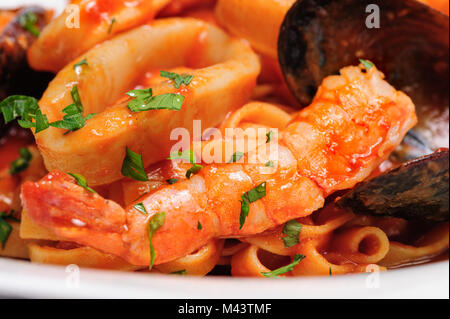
355, 121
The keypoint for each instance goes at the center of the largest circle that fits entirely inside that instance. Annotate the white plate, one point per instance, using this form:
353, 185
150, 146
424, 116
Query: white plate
23, 279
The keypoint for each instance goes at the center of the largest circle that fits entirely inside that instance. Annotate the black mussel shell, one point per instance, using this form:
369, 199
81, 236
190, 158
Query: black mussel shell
319, 37
417, 190
16, 77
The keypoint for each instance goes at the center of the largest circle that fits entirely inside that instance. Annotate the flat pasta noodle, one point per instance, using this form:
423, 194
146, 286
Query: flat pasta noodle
199, 263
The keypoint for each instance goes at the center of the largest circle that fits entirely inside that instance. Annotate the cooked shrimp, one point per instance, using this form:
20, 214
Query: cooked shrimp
63, 40
228, 73
353, 124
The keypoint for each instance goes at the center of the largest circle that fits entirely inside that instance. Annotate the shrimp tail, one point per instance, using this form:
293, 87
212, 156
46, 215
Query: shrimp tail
72, 213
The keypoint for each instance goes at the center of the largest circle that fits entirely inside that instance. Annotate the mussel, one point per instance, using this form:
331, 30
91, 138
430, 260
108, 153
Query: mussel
409, 42
16, 77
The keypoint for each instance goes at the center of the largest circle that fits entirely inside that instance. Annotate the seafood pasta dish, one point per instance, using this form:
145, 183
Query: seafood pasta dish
252, 138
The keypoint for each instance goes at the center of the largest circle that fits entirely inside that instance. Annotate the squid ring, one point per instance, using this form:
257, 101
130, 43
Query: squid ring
84, 24
225, 80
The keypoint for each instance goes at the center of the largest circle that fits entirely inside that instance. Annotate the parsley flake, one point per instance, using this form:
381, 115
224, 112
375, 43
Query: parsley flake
187, 156
199, 226
292, 229
282, 270
73, 119
366, 64
178, 79
155, 223
270, 164
179, 272
24, 109
22, 162
111, 25
249, 197
269, 136
80, 64
141, 208
133, 166
172, 181
236, 157
81, 181
28, 21
5, 228
145, 101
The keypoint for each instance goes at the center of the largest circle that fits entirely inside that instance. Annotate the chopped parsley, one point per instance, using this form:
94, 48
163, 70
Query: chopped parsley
80, 64
292, 229
236, 157
24, 109
366, 64
269, 164
81, 181
179, 272
74, 119
155, 223
145, 101
22, 162
111, 25
329, 271
141, 208
269, 136
28, 21
187, 156
282, 270
193, 170
247, 198
5, 227
199, 226
133, 166
178, 79
172, 181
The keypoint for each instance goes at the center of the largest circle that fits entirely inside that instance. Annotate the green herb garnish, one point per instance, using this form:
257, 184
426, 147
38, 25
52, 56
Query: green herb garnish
269, 136
145, 101
292, 229
133, 166
179, 272
141, 208
247, 198
22, 162
28, 21
5, 228
270, 164
366, 64
80, 64
81, 181
329, 271
74, 119
24, 109
172, 181
199, 226
282, 270
111, 24
236, 157
187, 156
178, 79
155, 223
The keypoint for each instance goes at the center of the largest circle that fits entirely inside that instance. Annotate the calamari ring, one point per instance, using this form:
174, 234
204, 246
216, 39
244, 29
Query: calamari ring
97, 150
64, 39
258, 21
